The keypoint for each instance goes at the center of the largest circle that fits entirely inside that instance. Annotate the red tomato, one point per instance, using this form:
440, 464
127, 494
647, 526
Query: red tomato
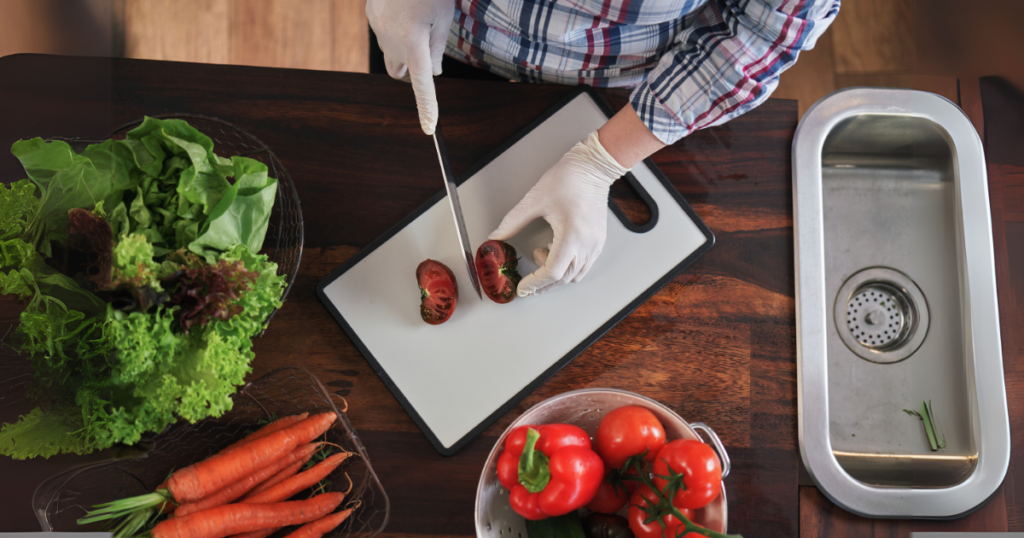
644, 497
438, 291
626, 432
496, 263
701, 470
609, 499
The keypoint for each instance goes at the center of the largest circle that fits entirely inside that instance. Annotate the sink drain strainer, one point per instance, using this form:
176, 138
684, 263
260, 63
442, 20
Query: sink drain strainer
881, 315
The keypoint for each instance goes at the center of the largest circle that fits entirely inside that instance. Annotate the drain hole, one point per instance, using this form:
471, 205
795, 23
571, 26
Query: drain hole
883, 329
886, 314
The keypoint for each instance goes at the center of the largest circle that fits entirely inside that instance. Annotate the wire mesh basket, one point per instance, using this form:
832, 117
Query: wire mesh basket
60, 500
283, 242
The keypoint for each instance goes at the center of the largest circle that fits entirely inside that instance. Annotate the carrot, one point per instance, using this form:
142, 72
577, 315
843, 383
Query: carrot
278, 424
257, 534
274, 480
296, 458
229, 519
262, 432
321, 526
289, 487
201, 479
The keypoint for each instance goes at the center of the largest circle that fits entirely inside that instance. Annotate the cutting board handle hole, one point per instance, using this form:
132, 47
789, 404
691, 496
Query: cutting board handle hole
628, 200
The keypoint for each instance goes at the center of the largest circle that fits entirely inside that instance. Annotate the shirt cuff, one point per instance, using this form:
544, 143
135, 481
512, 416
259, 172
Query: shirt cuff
666, 126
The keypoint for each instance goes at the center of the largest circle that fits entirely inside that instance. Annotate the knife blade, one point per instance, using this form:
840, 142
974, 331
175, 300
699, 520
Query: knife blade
453, 200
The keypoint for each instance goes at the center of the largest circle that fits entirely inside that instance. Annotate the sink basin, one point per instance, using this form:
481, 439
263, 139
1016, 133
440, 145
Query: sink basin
895, 305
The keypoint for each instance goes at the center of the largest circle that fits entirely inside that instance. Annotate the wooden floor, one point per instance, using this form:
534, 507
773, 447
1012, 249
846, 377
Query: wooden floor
302, 34
872, 44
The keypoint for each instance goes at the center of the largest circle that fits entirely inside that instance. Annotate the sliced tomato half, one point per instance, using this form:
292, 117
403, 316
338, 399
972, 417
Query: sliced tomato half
438, 291
496, 263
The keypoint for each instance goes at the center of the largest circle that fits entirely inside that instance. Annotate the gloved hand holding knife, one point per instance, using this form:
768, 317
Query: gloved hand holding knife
412, 34
683, 85
572, 196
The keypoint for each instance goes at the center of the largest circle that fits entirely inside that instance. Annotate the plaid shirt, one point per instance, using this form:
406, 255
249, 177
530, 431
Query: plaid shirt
694, 63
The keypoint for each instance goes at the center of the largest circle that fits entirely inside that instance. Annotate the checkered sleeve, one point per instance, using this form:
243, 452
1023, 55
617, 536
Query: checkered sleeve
727, 62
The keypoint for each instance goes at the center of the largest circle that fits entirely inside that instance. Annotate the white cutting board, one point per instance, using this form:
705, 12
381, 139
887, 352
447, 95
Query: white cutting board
458, 377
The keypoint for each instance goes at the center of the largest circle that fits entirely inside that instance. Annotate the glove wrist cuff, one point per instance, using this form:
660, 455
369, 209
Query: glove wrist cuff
606, 165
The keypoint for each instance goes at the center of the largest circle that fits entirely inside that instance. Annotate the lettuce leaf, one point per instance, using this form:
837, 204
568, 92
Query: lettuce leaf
242, 215
18, 204
40, 434
66, 181
158, 206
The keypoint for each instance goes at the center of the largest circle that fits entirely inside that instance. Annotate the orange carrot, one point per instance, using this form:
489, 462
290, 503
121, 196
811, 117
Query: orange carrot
257, 534
278, 424
262, 432
231, 519
296, 458
196, 481
321, 526
274, 480
289, 487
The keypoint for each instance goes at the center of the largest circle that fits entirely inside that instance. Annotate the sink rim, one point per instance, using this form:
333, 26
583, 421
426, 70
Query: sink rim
990, 419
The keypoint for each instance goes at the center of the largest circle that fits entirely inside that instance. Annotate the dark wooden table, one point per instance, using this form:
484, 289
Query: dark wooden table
717, 344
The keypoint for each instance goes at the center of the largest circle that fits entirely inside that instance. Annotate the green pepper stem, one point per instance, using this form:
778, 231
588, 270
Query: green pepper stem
534, 473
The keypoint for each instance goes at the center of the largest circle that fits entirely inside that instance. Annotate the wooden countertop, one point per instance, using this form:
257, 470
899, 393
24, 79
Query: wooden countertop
717, 344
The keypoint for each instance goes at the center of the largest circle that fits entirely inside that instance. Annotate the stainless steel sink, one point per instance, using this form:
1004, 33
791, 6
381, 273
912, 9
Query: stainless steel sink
896, 304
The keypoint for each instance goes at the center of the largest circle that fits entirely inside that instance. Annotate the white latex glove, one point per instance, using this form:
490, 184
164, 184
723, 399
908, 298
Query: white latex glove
573, 198
412, 34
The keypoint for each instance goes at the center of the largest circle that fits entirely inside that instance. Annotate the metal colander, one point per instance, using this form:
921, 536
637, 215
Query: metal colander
60, 500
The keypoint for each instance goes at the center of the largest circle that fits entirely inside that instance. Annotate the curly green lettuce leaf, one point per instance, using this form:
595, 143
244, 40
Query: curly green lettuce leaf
18, 204
170, 374
40, 434
17, 282
133, 263
262, 299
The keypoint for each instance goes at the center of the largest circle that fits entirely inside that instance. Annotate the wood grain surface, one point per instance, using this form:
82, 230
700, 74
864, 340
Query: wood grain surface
874, 36
307, 34
717, 344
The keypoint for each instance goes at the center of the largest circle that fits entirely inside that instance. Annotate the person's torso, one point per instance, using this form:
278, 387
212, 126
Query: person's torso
603, 43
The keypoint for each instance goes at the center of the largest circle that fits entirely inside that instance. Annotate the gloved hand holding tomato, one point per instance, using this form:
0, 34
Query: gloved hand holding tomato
549, 470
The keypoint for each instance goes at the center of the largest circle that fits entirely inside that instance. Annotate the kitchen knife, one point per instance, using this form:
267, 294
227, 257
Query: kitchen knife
453, 199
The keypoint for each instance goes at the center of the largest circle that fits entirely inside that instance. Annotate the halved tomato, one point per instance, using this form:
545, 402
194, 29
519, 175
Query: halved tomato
438, 291
496, 263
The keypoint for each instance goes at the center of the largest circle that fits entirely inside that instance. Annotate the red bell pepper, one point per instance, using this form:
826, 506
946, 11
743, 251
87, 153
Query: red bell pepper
549, 470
